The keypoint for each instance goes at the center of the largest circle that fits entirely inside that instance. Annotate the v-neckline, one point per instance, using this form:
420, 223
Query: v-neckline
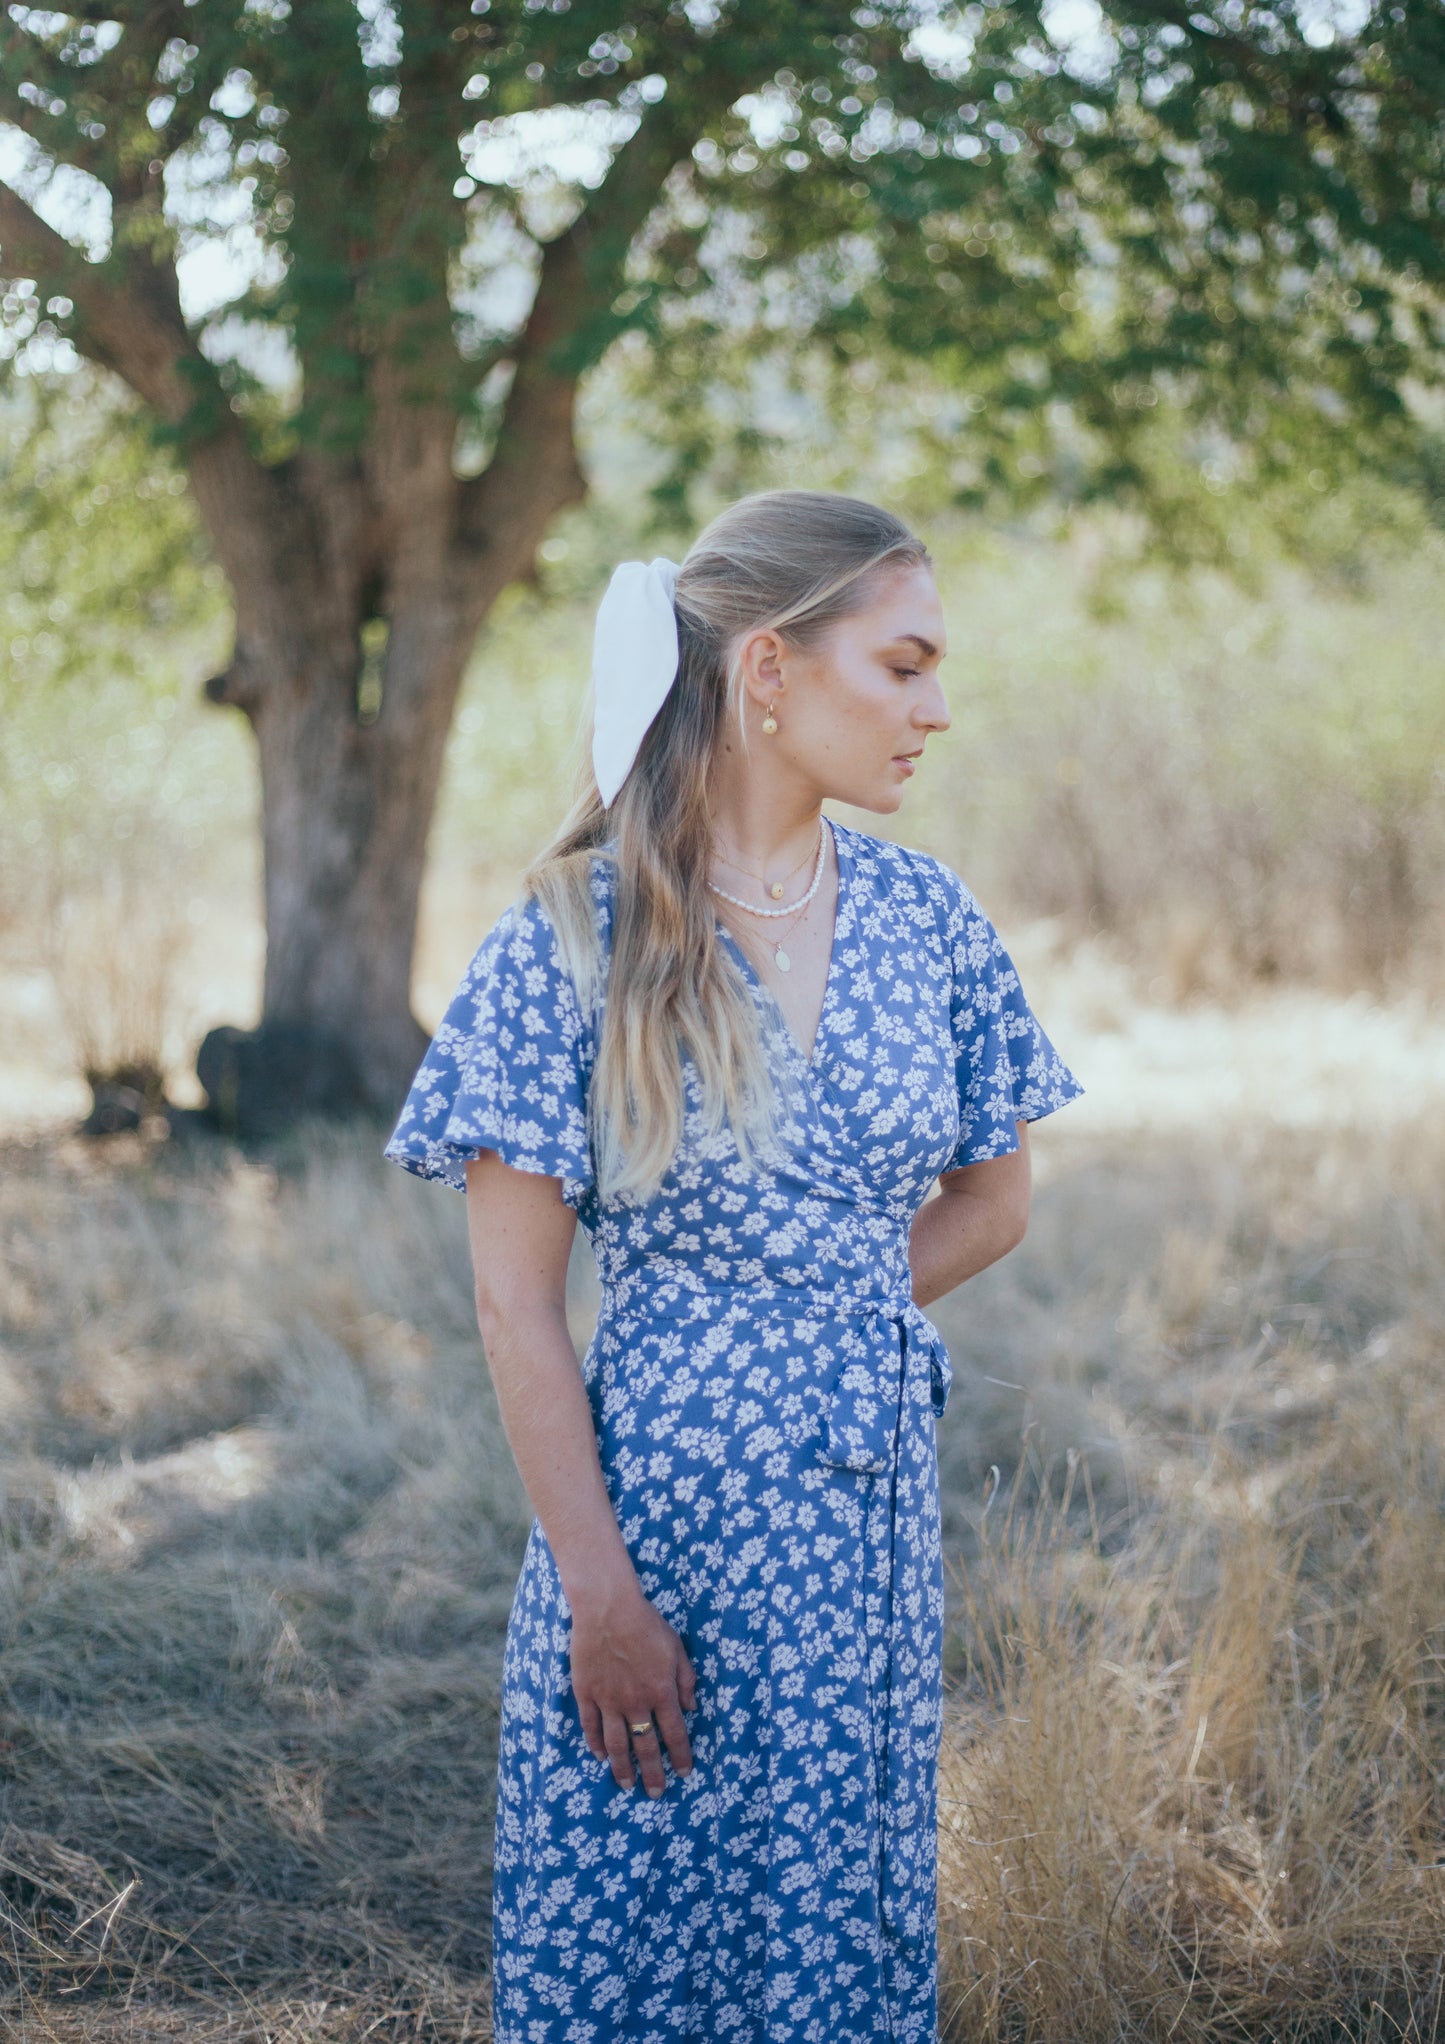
808, 1058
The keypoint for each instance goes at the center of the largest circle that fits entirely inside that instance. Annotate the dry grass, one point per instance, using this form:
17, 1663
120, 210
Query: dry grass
114, 954
1195, 1782
260, 1530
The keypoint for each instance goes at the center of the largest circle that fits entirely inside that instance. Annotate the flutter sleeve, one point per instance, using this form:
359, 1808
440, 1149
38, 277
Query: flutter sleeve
1008, 1071
508, 1068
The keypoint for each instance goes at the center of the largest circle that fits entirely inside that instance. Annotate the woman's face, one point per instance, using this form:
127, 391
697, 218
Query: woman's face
855, 710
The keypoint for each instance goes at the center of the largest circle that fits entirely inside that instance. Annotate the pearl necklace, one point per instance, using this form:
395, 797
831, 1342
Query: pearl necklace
780, 957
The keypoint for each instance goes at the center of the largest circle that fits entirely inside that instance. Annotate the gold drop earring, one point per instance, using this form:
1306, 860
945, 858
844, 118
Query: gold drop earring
770, 722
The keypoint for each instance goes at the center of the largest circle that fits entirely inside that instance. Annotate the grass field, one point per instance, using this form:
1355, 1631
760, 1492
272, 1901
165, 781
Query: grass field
260, 1531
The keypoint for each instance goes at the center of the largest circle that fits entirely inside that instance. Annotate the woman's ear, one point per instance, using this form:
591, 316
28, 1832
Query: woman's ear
760, 661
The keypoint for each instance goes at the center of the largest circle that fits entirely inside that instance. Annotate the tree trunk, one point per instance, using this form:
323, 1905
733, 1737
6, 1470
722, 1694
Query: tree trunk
346, 808
353, 633
361, 579
351, 739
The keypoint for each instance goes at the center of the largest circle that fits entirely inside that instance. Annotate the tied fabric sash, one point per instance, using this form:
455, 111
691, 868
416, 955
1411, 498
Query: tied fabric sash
897, 1356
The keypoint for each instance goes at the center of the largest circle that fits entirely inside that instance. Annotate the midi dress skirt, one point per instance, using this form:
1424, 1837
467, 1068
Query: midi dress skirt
764, 1392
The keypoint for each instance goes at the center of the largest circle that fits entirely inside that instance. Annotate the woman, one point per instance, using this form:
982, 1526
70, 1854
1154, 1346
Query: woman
742, 1043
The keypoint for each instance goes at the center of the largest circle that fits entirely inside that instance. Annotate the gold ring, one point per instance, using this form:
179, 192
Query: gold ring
645, 1726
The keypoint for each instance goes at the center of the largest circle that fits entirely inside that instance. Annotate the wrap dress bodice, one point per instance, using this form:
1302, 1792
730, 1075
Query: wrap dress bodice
764, 1391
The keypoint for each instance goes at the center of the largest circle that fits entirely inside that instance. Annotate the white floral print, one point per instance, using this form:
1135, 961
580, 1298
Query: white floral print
764, 1392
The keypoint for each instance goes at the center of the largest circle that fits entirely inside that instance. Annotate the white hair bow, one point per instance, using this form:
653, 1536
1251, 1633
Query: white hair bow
634, 664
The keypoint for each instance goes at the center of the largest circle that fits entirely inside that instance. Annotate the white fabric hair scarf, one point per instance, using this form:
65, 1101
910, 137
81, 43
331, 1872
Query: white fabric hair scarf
634, 664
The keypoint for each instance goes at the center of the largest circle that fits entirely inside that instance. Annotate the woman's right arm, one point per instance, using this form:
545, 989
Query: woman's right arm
628, 1663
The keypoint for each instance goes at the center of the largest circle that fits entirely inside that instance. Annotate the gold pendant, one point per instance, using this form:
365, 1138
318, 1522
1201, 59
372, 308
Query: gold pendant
782, 960
776, 890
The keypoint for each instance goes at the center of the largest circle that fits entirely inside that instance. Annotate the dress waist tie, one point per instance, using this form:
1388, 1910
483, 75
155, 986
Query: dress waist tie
863, 1398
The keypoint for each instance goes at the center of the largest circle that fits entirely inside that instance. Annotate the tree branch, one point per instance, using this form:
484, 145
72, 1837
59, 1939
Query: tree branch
122, 322
95, 112
134, 329
534, 471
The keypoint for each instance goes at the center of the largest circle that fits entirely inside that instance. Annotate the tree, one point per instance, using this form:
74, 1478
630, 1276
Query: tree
1240, 206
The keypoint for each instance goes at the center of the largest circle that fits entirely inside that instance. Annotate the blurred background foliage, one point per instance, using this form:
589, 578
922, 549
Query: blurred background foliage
1214, 743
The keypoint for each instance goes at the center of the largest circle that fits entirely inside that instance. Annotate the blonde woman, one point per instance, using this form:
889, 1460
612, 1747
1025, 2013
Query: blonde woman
741, 1043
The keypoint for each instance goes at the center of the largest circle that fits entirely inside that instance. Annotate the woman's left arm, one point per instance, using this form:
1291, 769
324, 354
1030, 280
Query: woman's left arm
980, 1214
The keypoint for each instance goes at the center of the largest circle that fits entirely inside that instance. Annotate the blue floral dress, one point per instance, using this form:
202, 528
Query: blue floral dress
764, 1392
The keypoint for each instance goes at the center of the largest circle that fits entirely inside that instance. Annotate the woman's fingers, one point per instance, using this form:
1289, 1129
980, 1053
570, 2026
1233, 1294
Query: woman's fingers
609, 1707
618, 1741
673, 1733
591, 1718
633, 1752
686, 1679
649, 1757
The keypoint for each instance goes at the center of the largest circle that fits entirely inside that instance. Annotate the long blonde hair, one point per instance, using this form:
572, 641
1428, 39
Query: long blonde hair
795, 562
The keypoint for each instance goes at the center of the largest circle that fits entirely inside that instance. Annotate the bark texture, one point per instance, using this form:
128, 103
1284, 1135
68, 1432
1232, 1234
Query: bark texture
351, 739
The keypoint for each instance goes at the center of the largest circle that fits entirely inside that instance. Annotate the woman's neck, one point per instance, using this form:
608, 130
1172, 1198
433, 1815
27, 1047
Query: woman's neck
760, 827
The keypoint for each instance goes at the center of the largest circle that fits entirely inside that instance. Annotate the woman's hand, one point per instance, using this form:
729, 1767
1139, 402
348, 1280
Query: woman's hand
629, 1664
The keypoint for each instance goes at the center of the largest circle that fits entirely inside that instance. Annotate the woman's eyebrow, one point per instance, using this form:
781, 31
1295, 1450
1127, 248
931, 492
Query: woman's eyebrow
925, 646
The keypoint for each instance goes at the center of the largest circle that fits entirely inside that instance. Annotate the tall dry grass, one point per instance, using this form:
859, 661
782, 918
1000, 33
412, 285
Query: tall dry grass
115, 955
259, 1531
1194, 1784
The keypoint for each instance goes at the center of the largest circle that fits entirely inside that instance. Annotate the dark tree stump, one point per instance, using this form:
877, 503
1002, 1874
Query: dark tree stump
260, 1081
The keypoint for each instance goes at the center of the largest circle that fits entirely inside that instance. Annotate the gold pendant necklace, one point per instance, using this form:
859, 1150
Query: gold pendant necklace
774, 887
788, 915
780, 956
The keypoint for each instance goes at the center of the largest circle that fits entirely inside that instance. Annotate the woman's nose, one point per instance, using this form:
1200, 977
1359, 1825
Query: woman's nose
932, 711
